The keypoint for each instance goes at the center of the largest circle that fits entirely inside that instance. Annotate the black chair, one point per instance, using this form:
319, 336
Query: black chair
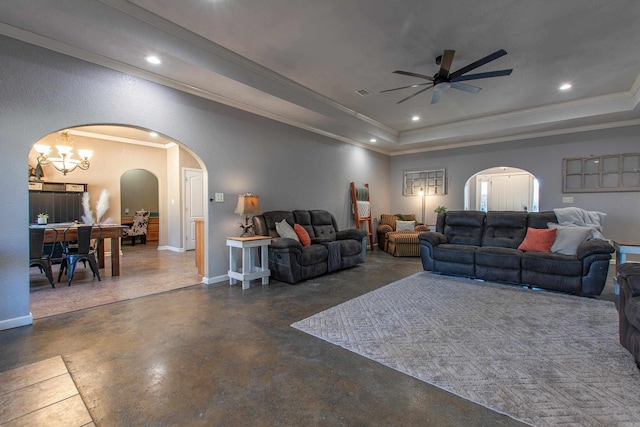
82, 251
36, 256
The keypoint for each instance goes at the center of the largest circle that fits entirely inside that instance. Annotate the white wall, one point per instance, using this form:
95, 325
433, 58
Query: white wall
543, 158
42, 92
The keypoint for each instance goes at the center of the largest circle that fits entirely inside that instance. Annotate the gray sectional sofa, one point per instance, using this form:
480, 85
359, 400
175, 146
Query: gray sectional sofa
330, 249
628, 303
485, 246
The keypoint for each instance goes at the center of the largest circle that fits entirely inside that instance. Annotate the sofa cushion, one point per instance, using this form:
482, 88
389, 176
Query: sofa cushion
304, 219
568, 238
498, 257
405, 225
313, 254
464, 227
303, 235
389, 220
540, 219
504, 229
285, 230
632, 311
538, 240
460, 254
552, 263
322, 223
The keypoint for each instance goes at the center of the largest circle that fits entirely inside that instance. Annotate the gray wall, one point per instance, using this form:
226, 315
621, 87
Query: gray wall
42, 92
543, 158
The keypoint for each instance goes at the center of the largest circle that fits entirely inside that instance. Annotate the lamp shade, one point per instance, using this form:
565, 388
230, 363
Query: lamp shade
248, 204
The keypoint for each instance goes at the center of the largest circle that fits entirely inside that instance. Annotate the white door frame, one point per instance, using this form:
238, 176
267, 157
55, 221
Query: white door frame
194, 206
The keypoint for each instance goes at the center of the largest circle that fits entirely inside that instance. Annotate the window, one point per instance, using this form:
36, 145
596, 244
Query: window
610, 172
432, 182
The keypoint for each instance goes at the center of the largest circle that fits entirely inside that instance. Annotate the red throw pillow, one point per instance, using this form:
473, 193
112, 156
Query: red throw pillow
538, 240
303, 235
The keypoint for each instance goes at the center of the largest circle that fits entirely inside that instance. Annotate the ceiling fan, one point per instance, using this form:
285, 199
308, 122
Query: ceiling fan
443, 80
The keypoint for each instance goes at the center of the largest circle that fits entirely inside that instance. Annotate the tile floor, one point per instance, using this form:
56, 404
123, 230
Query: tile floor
144, 271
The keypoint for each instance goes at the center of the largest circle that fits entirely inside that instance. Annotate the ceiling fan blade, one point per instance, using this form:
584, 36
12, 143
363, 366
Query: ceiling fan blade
436, 96
478, 63
411, 96
445, 63
465, 87
405, 87
486, 75
408, 73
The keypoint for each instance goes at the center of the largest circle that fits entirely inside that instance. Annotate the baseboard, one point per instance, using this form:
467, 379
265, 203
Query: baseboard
170, 248
213, 280
16, 322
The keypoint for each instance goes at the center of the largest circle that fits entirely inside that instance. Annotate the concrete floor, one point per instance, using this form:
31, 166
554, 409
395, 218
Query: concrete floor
218, 355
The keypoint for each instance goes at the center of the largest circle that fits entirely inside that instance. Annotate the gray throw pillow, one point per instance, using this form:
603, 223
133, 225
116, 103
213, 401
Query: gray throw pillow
568, 238
405, 225
285, 230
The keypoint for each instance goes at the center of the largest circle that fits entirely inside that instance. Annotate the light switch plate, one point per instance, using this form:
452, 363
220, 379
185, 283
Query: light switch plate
219, 197
567, 200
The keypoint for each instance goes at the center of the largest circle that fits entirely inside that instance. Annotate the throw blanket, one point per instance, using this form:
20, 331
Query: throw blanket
364, 209
578, 217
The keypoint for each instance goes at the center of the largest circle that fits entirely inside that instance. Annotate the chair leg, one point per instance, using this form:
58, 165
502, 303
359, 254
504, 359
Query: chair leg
63, 264
49, 273
93, 263
71, 267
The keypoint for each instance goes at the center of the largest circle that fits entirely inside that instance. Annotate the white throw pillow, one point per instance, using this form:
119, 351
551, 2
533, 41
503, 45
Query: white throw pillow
568, 238
405, 225
285, 230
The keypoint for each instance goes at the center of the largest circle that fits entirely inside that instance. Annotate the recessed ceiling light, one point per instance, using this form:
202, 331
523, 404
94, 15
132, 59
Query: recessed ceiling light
153, 134
153, 60
415, 118
372, 140
565, 86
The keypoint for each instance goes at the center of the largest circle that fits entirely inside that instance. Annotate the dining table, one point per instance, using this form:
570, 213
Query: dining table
59, 232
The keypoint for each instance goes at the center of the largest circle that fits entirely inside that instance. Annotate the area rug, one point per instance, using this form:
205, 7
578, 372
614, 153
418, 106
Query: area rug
543, 358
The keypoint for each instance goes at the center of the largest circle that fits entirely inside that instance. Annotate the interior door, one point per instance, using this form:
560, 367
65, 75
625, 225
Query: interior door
193, 204
510, 192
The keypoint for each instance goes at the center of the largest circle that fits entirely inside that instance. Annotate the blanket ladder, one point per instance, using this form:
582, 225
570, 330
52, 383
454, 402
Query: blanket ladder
357, 195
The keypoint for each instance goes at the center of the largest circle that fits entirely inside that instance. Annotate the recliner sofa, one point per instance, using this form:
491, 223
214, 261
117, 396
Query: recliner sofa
485, 246
331, 249
628, 303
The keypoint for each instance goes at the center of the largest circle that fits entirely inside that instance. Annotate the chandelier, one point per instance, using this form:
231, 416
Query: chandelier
65, 163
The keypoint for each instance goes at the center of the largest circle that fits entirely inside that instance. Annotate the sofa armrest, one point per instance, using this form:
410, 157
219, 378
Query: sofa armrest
352, 233
432, 237
285, 243
592, 247
421, 228
384, 228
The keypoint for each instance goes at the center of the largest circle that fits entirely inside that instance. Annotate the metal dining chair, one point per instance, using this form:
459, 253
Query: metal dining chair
71, 254
37, 257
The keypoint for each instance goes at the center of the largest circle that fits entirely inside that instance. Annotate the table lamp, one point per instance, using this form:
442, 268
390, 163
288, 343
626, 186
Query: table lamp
247, 204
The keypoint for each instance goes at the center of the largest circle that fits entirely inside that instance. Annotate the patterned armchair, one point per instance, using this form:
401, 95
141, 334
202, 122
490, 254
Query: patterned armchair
138, 228
397, 236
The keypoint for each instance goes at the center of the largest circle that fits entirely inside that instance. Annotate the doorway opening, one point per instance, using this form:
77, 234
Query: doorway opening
502, 188
139, 171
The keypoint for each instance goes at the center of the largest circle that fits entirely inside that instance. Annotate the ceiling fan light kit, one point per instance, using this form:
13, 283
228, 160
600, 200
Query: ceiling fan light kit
443, 79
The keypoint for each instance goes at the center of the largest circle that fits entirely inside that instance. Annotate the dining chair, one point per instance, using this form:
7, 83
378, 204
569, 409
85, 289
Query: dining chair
37, 257
83, 251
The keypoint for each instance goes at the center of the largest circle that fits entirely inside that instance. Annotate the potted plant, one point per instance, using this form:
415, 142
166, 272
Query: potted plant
42, 218
440, 209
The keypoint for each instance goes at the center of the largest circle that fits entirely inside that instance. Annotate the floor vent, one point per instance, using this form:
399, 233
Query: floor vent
363, 92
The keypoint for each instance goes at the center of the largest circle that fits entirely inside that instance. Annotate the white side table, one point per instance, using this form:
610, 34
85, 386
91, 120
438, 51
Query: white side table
250, 270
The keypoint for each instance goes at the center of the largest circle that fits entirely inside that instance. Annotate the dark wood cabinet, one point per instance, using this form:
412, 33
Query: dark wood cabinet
61, 201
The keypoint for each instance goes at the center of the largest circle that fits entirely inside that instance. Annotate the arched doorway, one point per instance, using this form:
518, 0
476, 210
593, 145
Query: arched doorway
129, 153
502, 188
